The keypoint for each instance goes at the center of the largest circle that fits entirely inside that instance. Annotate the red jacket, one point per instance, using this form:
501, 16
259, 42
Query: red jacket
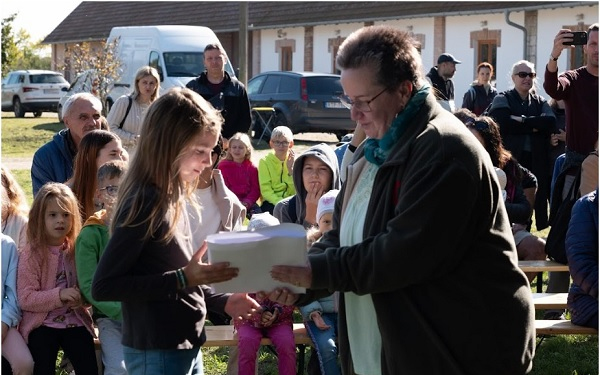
242, 180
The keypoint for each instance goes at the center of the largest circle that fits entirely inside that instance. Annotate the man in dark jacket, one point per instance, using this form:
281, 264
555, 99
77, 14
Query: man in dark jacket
440, 77
224, 92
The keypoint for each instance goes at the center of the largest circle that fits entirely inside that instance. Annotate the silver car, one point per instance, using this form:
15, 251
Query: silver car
34, 91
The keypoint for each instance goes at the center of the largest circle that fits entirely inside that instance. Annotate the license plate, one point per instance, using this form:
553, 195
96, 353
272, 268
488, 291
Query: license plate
334, 105
51, 91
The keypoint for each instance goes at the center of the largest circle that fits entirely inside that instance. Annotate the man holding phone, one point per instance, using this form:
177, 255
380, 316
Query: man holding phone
578, 89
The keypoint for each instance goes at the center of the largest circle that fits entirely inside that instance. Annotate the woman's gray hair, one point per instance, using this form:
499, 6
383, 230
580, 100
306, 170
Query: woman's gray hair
390, 52
82, 95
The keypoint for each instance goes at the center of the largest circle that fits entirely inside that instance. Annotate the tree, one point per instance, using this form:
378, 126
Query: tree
10, 51
103, 62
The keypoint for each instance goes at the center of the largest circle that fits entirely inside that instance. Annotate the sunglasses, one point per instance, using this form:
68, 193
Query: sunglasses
477, 125
525, 74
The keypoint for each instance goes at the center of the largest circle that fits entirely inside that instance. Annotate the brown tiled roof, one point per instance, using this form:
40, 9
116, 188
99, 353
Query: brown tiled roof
93, 20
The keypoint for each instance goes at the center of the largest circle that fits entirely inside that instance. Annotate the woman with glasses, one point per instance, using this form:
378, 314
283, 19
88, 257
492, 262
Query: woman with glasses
526, 123
96, 148
417, 222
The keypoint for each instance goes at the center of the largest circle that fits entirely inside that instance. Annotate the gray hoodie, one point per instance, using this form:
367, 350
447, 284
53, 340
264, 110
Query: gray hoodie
323, 152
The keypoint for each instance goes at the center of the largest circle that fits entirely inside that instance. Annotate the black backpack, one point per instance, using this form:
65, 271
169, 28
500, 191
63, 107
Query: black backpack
559, 221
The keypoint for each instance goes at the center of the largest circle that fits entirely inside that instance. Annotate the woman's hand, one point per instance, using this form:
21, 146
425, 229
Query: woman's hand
299, 276
198, 273
241, 306
282, 296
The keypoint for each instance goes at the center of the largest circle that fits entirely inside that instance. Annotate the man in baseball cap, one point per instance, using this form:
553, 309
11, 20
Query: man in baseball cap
440, 77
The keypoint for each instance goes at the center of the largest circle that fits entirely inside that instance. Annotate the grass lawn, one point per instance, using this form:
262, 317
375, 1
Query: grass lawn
558, 355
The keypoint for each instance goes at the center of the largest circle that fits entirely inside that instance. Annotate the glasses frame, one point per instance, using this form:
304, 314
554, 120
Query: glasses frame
111, 190
281, 143
349, 103
525, 75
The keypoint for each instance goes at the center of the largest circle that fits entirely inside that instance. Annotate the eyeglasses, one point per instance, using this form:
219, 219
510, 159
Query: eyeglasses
525, 74
478, 125
281, 143
359, 105
111, 190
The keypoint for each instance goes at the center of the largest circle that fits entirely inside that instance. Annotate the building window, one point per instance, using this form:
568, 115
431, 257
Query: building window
285, 48
334, 52
486, 52
285, 58
486, 43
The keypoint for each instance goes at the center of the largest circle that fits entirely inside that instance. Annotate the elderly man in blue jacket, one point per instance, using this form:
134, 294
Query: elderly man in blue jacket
53, 162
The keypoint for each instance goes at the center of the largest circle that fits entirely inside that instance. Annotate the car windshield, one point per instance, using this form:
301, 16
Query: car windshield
324, 86
47, 78
187, 64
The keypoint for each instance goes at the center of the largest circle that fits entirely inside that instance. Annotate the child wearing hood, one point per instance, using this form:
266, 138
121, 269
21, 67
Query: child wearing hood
315, 172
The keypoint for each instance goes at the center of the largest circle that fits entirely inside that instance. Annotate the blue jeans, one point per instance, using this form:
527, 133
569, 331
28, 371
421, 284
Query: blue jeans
163, 362
325, 343
110, 334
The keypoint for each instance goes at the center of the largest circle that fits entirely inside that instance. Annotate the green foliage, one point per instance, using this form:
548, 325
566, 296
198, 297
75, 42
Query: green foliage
9, 46
104, 62
19, 52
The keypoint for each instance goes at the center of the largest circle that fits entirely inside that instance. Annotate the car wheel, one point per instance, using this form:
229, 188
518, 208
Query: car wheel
340, 134
279, 120
18, 108
59, 111
37, 114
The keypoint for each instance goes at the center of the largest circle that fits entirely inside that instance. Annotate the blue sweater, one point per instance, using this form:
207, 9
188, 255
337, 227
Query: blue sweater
582, 254
53, 162
11, 313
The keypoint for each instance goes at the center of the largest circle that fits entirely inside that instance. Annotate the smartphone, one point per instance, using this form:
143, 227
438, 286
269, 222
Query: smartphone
579, 39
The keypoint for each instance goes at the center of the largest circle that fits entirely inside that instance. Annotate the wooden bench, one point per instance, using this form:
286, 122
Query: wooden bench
542, 265
224, 336
561, 327
543, 301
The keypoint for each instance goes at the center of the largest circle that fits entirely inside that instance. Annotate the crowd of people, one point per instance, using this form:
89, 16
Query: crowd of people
396, 219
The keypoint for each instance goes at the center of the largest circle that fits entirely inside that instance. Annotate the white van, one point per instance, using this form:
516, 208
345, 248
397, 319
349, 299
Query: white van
176, 51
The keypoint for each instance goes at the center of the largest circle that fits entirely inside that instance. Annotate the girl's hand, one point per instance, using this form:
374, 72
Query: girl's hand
290, 161
316, 317
198, 273
71, 297
268, 318
313, 195
241, 306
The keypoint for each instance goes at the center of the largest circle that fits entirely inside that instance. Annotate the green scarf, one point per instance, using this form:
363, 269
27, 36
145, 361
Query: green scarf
377, 150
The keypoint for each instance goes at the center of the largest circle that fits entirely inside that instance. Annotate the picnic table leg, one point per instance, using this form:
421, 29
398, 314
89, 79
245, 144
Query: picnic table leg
302, 348
540, 281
